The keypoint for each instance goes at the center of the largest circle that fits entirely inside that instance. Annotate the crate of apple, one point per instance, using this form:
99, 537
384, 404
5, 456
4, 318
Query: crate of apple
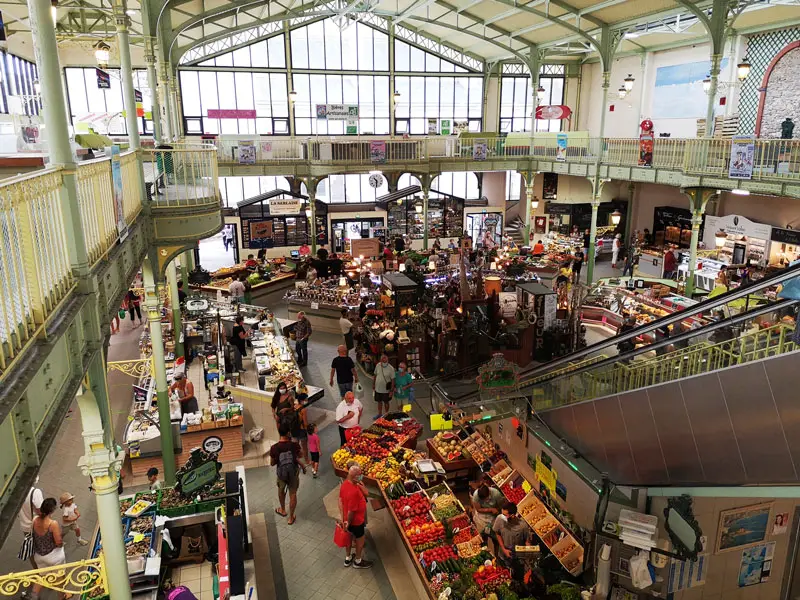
411, 506
439, 554
491, 577
366, 447
461, 522
514, 494
411, 523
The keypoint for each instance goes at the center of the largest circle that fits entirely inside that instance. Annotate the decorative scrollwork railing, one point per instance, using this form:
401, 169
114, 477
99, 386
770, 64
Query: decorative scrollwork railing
134, 368
86, 576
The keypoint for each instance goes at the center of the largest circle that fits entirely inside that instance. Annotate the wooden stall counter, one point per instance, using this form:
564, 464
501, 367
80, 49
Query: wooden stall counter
232, 448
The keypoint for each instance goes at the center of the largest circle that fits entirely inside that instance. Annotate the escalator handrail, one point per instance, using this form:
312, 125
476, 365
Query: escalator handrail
704, 306
686, 336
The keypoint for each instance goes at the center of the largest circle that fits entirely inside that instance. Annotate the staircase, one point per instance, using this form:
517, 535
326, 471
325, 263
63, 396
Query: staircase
516, 230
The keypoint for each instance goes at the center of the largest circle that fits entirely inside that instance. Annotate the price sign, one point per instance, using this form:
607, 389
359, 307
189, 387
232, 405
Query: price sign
138, 537
526, 486
406, 408
315, 306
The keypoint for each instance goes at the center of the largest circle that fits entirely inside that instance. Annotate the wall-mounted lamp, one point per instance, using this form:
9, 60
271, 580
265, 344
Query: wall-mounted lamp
535, 203
418, 208
293, 96
628, 82
541, 92
743, 69
616, 217
102, 54
707, 84
622, 92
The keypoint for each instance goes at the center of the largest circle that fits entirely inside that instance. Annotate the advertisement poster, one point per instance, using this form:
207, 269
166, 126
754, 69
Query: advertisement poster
137, 95
337, 112
646, 149
260, 232
459, 126
247, 153
266, 150
553, 111
445, 126
742, 151
479, 150
561, 147
352, 126
431, 126
103, 79
756, 564
684, 574
116, 180
377, 151
740, 527
781, 524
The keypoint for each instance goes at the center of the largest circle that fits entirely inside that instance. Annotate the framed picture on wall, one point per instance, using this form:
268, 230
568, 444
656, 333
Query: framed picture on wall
743, 527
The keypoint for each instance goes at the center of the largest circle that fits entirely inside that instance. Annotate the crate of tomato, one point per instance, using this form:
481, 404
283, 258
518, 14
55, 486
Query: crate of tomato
413, 505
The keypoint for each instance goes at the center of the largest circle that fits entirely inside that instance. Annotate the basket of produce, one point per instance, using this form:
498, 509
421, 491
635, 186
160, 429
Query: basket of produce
439, 554
149, 496
211, 499
448, 446
125, 504
412, 505
463, 534
490, 578
460, 522
143, 524
470, 548
139, 507
425, 536
411, 523
138, 545
445, 506
173, 504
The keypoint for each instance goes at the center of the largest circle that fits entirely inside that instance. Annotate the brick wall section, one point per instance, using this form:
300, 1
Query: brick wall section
232, 449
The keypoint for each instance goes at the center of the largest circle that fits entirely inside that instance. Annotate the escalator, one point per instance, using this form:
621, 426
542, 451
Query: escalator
714, 404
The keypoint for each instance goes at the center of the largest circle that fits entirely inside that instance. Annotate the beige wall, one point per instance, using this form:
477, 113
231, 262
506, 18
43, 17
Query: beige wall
581, 499
723, 569
494, 188
648, 196
771, 210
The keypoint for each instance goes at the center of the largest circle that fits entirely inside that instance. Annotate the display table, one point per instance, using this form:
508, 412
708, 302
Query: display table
258, 292
232, 448
323, 317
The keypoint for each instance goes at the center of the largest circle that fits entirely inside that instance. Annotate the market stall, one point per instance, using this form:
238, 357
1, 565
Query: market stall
746, 241
267, 277
204, 514
784, 247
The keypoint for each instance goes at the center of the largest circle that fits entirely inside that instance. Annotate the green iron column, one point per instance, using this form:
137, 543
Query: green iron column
122, 20
176, 106
527, 209
426, 192
698, 199
716, 62
175, 306
102, 463
187, 266
312, 207
592, 240
55, 119
153, 306
163, 84
152, 81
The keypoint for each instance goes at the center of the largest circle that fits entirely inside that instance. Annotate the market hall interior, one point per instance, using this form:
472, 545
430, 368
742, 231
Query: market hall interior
517, 282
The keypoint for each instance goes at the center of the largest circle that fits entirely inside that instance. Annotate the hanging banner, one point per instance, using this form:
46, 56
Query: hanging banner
337, 112
137, 96
377, 151
741, 163
231, 113
352, 126
445, 126
116, 180
266, 150
247, 153
553, 111
479, 150
103, 79
645, 149
561, 147
431, 126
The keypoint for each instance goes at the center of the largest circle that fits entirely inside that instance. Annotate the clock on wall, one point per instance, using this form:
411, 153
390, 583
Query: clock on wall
376, 180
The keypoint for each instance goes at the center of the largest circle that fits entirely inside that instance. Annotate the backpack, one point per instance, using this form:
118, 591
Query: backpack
287, 467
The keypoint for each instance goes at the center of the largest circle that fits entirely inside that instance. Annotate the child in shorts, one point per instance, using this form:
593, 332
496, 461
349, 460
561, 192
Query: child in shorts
70, 516
313, 448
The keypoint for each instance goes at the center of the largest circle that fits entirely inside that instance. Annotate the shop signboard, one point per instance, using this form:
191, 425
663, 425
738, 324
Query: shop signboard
561, 147
741, 161
337, 112
786, 236
553, 111
199, 477
247, 153
553, 208
550, 310
377, 151
116, 180
231, 113
279, 206
735, 226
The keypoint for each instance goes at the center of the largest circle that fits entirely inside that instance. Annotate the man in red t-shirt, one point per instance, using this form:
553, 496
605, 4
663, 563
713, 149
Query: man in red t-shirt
353, 507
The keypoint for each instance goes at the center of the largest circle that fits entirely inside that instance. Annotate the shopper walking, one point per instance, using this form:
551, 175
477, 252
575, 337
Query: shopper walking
346, 326
134, 302
48, 546
587, 238
403, 386
353, 509
384, 384
30, 509
313, 448
348, 415
345, 370
237, 289
239, 342
577, 265
285, 455
302, 331
69, 517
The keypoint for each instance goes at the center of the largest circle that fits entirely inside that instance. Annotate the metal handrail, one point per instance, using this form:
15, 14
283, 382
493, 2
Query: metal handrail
704, 306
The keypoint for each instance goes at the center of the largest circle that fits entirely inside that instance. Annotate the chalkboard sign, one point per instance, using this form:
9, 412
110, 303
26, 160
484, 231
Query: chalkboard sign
786, 236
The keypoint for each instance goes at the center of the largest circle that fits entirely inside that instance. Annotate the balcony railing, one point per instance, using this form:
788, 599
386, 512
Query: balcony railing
35, 270
774, 160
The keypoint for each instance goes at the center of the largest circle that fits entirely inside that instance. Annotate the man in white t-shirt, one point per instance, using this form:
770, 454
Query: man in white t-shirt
346, 326
35, 497
348, 414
